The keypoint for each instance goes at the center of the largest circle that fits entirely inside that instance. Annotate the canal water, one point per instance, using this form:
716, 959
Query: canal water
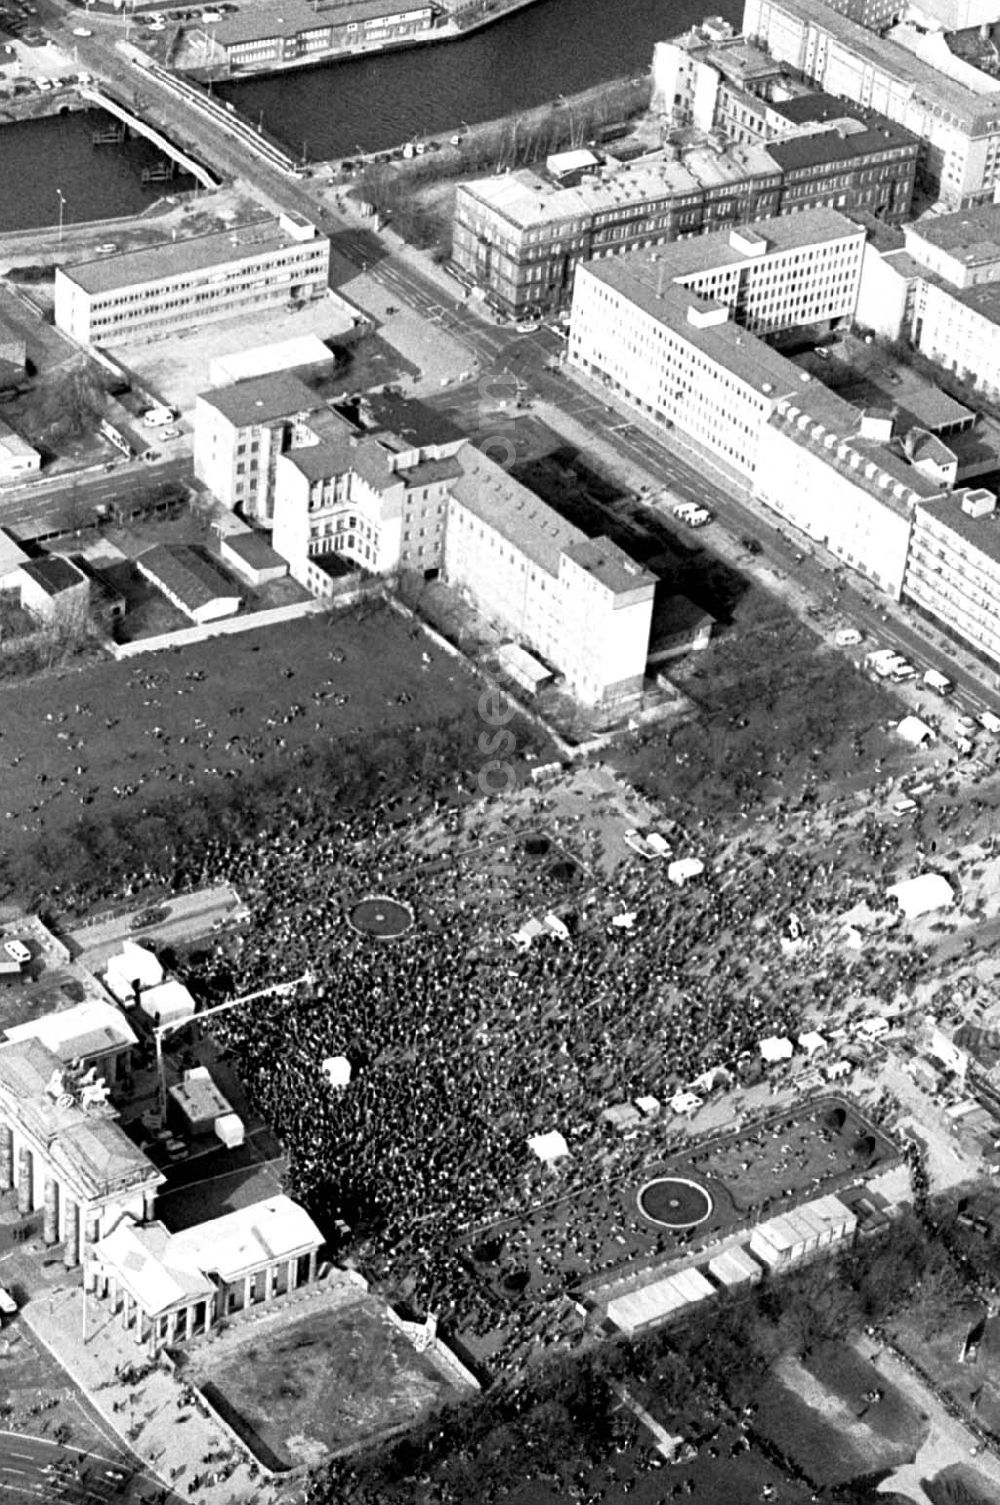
553, 47
39, 157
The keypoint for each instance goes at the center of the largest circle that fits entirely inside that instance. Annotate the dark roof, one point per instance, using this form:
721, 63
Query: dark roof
53, 573
824, 146
253, 549
412, 420
262, 399
188, 575
983, 533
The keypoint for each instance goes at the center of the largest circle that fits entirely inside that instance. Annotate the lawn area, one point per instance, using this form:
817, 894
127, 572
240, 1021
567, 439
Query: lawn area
310, 1386
936, 1339
113, 741
816, 1413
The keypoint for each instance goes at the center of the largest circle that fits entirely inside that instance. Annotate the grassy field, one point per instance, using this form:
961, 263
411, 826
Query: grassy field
816, 1413
323, 1381
113, 740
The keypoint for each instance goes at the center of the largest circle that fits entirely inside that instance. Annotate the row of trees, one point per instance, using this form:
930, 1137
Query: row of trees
566, 1415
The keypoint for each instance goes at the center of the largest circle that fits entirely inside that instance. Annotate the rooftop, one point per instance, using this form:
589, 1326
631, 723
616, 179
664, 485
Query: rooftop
527, 198
513, 511
971, 236
254, 549
610, 565
11, 553
844, 139
262, 399
186, 574
53, 574
178, 258
254, 23
87, 1029
339, 453
982, 533
931, 87
13, 444
247, 1239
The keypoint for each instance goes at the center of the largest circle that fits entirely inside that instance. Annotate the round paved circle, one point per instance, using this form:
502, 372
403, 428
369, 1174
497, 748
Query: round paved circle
379, 916
673, 1202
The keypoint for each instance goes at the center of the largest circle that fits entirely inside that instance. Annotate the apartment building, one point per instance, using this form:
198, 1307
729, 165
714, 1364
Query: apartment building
352, 501
256, 38
581, 603
911, 76
157, 290
239, 432
953, 570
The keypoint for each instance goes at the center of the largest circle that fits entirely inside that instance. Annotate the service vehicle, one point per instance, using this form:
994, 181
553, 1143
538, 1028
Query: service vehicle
17, 951
901, 670
905, 806
989, 722
937, 682
847, 637
966, 725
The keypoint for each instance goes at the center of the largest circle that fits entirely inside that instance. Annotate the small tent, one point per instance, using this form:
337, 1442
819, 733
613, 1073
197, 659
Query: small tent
775, 1048
337, 1070
684, 869
914, 731
549, 1147
922, 895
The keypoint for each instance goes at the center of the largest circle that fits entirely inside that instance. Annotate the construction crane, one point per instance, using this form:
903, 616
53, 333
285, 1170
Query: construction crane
280, 989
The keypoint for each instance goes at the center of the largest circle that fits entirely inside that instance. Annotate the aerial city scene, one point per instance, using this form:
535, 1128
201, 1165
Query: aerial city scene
499, 752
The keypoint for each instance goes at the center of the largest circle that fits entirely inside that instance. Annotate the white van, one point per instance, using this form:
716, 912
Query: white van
905, 806
989, 722
937, 682
847, 637
155, 418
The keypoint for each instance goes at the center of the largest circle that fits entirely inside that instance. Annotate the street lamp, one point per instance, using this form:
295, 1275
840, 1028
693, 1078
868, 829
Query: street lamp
62, 203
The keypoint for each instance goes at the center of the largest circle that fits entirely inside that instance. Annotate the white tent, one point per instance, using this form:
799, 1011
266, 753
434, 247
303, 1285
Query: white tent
922, 895
229, 1128
549, 1147
167, 1004
684, 868
715, 1076
529, 931
649, 1106
775, 1048
132, 967
557, 927
337, 1070
914, 731
685, 1102
624, 921
811, 1042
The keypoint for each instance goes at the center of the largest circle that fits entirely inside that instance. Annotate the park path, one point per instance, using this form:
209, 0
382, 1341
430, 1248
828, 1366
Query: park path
948, 1442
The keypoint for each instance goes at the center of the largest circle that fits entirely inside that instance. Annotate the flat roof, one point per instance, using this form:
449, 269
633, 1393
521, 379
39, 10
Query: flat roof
142, 1257
85, 1029
198, 1097
934, 88
981, 533
527, 198
247, 1239
188, 575
53, 573
13, 443
175, 258
262, 399
608, 563
254, 550
256, 23
971, 236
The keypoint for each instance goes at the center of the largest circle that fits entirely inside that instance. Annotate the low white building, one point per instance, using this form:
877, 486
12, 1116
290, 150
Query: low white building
17, 457
93, 1032
190, 581
650, 1305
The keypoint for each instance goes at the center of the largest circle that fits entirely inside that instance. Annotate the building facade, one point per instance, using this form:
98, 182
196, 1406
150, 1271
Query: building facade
239, 432
953, 569
17, 457
157, 290
580, 603
910, 76
61, 1151
359, 502
258, 39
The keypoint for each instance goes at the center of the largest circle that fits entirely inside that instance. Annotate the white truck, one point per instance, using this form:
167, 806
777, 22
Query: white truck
937, 682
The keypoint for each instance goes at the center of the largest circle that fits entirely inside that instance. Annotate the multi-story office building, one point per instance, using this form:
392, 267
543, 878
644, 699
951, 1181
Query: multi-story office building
520, 236
581, 603
376, 504
160, 289
256, 38
953, 570
239, 432
911, 76
680, 349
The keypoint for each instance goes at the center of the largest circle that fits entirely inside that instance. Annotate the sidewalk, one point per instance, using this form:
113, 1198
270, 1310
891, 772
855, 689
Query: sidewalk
172, 1435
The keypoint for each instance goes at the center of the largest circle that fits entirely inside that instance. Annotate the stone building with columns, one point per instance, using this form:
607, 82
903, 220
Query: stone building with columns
171, 1287
62, 1151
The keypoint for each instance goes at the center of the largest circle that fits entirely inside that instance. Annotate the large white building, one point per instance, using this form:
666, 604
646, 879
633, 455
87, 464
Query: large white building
671, 331
182, 284
581, 603
953, 570
675, 347
911, 76
241, 429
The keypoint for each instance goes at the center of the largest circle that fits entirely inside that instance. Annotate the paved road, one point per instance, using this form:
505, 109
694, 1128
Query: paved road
38, 510
35, 1469
185, 917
